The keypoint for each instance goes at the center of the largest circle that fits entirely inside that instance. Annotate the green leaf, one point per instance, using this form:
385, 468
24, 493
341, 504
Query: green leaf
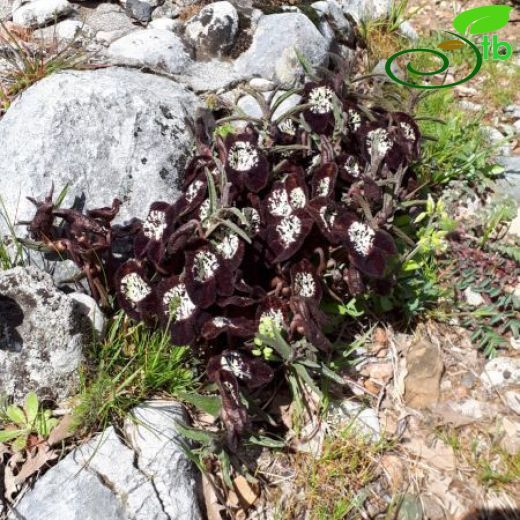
484, 19
267, 442
31, 407
207, 403
16, 415
9, 435
193, 434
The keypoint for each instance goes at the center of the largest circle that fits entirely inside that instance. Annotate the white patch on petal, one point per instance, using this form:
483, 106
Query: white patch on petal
321, 100
323, 187
227, 244
289, 230
154, 225
220, 322
328, 217
134, 288
353, 119
204, 210
408, 131
178, 296
305, 285
278, 203
352, 166
362, 237
243, 156
205, 265
378, 142
233, 362
275, 315
298, 198
193, 190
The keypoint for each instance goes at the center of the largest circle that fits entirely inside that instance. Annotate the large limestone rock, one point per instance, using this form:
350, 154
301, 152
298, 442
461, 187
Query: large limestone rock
272, 54
364, 10
150, 478
41, 12
43, 335
106, 133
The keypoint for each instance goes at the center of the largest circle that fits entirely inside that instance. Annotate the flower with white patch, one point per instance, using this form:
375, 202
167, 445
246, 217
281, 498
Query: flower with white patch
134, 288
321, 100
297, 198
205, 266
233, 362
328, 216
304, 285
193, 190
178, 303
204, 210
352, 166
362, 238
288, 127
278, 203
243, 156
353, 119
273, 315
227, 245
378, 142
323, 187
154, 225
408, 131
289, 230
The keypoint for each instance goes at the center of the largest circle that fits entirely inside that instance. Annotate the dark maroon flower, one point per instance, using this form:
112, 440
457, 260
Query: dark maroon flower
305, 281
177, 310
353, 116
286, 197
246, 165
132, 288
149, 240
309, 320
207, 275
285, 236
324, 180
369, 248
410, 133
276, 310
332, 218
320, 114
382, 143
350, 167
229, 246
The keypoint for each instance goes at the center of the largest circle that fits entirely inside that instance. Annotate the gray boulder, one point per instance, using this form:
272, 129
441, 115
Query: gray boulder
157, 49
213, 30
109, 22
140, 11
364, 10
41, 12
106, 479
42, 336
272, 54
106, 133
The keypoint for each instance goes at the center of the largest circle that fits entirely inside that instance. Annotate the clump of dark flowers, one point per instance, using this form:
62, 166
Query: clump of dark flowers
275, 219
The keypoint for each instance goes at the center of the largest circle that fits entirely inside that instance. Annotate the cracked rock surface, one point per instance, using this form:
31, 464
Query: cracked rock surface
147, 477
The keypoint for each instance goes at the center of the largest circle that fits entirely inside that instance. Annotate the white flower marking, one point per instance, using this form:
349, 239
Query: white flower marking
134, 288
193, 190
183, 306
323, 187
154, 225
321, 100
408, 131
227, 244
378, 142
204, 210
205, 266
362, 237
305, 285
233, 362
220, 322
353, 119
328, 216
289, 229
243, 156
298, 198
278, 203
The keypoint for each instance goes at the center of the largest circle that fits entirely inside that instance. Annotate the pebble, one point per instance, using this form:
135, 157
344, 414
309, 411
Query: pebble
501, 372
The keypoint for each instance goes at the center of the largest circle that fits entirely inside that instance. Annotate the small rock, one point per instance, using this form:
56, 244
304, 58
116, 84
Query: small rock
394, 470
156, 49
140, 11
212, 32
166, 10
109, 22
87, 306
469, 105
364, 10
408, 31
511, 440
473, 299
512, 398
516, 126
349, 414
464, 91
41, 12
274, 58
379, 371
42, 336
202, 76
424, 371
262, 85
496, 138
501, 372
66, 30
513, 111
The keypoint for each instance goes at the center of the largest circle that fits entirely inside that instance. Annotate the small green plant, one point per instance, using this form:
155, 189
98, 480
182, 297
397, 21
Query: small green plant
132, 364
22, 422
